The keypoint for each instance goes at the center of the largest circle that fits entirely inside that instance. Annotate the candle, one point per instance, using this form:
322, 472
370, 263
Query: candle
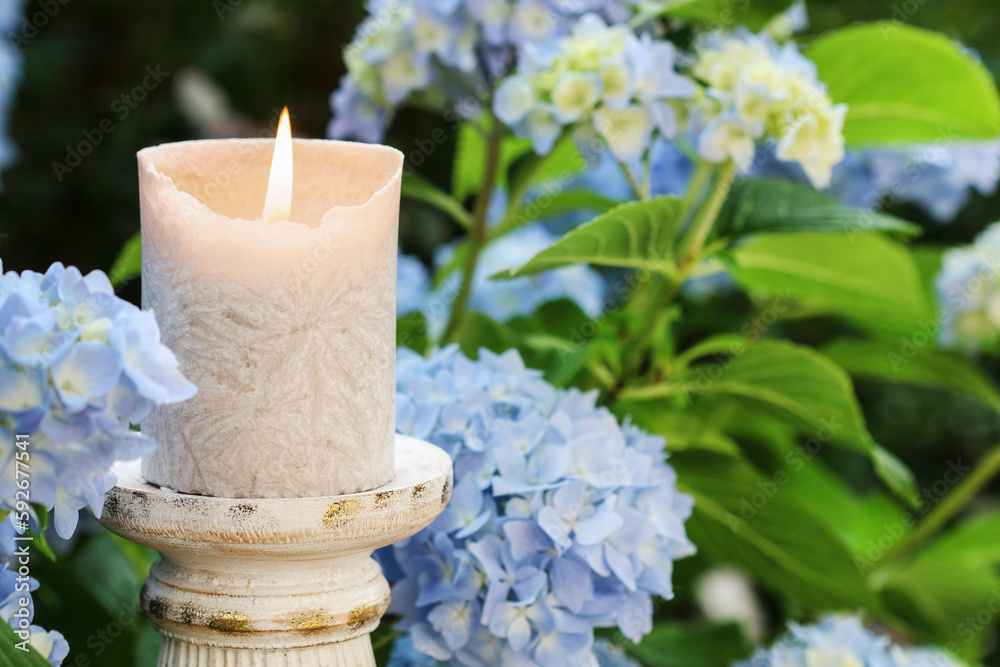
284, 320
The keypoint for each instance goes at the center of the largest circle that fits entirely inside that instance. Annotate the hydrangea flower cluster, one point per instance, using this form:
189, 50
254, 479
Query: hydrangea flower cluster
502, 300
843, 641
15, 588
10, 73
968, 291
78, 365
758, 90
441, 51
938, 178
605, 77
605, 653
561, 520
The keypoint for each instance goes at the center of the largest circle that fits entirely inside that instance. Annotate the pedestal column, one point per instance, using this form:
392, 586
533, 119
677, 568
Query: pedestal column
274, 582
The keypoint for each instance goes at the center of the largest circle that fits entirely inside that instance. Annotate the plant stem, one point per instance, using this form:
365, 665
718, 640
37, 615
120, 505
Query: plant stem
702, 225
477, 234
632, 181
985, 469
698, 179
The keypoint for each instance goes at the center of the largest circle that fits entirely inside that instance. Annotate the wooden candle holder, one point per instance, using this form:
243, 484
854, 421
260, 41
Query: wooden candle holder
274, 582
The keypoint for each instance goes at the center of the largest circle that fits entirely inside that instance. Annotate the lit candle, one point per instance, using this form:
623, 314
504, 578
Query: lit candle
284, 320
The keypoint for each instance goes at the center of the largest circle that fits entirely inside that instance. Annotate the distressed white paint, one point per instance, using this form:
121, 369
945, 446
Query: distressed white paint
274, 582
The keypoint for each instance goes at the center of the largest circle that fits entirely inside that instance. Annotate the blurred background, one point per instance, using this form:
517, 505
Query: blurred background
225, 68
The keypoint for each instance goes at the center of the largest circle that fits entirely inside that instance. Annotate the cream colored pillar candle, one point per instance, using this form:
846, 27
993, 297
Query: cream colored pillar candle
287, 328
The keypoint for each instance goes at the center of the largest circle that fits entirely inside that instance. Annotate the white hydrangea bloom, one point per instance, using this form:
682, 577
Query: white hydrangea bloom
758, 90
968, 290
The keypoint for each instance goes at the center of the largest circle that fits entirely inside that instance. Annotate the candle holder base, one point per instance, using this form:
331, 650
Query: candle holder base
274, 582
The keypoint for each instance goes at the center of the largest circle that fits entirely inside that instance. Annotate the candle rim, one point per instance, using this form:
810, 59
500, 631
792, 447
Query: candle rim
146, 163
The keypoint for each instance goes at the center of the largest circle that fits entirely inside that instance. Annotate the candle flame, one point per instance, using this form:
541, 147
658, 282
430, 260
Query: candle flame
278, 204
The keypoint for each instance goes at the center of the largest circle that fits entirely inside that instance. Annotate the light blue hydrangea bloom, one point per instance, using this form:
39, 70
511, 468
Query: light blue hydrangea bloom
10, 73
443, 52
505, 299
404, 655
15, 589
78, 365
968, 291
561, 520
412, 283
843, 641
939, 179
601, 78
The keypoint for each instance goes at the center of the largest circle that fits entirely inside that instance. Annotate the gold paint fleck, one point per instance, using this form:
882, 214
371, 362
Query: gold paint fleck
230, 621
418, 490
340, 511
446, 492
382, 499
363, 613
314, 621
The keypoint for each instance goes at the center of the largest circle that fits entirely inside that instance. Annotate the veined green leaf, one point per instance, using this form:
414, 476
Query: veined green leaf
742, 517
906, 362
866, 278
807, 390
638, 235
772, 205
906, 85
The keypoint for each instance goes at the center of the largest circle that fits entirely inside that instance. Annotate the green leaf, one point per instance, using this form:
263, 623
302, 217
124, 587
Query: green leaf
865, 278
771, 205
469, 169
807, 390
111, 573
915, 361
478, 331
411, 332
678, 644
685, 429
754, 15
420, 189
942, 601
638, 235
128, 264
906, 85
942, 591
742, 517
14, 657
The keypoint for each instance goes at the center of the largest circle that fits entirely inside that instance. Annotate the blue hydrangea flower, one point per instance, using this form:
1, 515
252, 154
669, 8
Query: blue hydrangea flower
443, 52
11, 13
561, 520
78, 365
843, 641
968, 291
412, 283
621, 85
14, 590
